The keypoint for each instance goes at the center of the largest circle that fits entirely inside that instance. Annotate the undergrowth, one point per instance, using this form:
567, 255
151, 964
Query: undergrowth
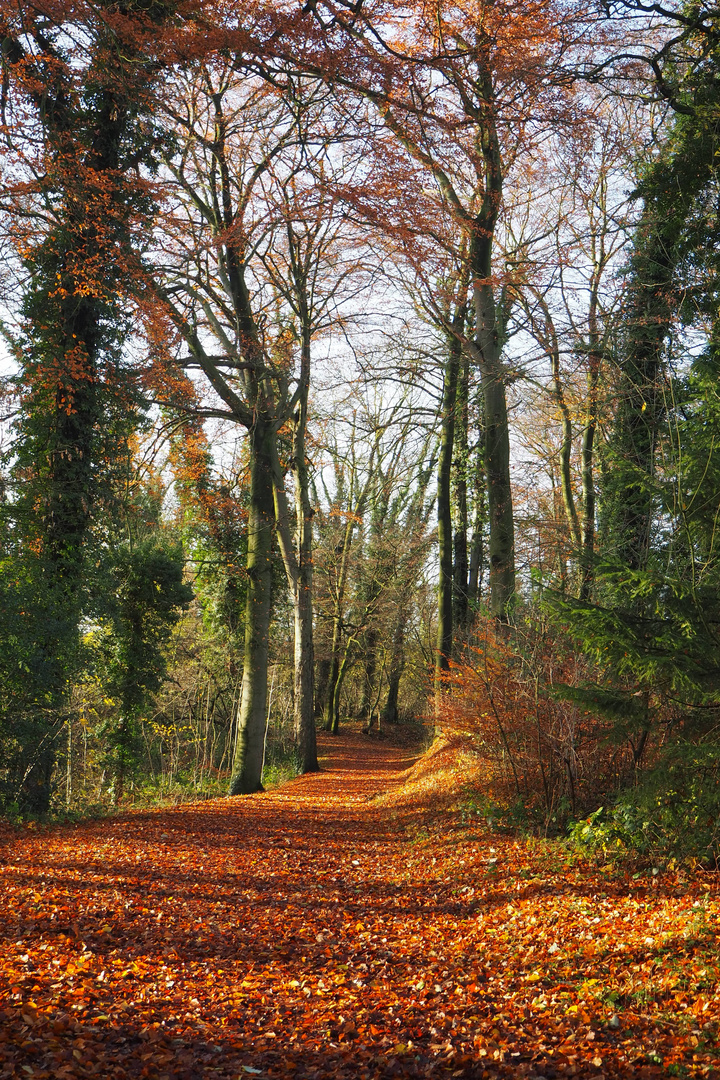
282, 762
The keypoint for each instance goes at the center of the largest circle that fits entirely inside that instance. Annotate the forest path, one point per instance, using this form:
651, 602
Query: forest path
307, 932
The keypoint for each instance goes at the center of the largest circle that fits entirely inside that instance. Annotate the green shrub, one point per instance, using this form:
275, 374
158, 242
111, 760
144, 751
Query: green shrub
673, 812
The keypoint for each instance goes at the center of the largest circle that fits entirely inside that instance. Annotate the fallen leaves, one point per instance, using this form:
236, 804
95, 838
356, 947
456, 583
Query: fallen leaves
347, 951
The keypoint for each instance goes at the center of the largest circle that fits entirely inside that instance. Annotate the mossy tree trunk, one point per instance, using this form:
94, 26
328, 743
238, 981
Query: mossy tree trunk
252, 720
298, 562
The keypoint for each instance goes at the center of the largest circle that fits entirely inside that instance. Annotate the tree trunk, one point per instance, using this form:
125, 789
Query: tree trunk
304, 705
342, 671
587, 523
329, 712
321, 686
332, 715
631, 482
489, 335
370, 668
477, 543
568, 496
587, 503
72, 314
297, 559
500, 510
247, 767
460, 544
444, 513
397, 663
304, 711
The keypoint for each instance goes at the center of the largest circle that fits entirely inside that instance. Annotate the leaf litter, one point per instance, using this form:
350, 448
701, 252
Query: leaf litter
320, 931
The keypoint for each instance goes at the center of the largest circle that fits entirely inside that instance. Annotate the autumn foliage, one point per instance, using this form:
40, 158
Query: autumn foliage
547, 757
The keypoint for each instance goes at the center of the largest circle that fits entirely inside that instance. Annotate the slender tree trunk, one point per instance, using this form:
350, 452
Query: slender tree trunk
460, 538
343, 669
477, 543
304, 714
330, 723
247, 767
444, 513
332, 715
558, 516
390, 712
568, 496
397, 663
370, 668
587, 524
321, 686
303, 593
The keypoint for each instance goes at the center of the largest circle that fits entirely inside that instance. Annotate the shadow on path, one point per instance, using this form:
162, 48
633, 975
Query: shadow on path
297, 932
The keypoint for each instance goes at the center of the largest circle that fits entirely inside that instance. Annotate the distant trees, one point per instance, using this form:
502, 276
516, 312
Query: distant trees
464, 94
569, 303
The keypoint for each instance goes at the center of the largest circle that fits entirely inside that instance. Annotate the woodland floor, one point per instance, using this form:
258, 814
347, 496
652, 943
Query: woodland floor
316, 931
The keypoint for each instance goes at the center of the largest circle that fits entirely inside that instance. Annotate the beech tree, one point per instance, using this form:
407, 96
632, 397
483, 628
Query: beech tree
245, 278
312, 267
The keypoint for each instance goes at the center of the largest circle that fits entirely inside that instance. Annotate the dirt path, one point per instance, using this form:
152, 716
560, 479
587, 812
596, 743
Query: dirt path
301, 933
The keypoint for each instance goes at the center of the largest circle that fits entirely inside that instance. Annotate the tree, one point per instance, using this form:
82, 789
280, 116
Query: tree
71, 200
237, 189
148, 596
311, 267
652, 631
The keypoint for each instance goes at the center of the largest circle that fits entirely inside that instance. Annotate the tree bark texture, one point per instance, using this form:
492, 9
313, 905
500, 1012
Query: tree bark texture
252, 721
500, 510
489, 345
